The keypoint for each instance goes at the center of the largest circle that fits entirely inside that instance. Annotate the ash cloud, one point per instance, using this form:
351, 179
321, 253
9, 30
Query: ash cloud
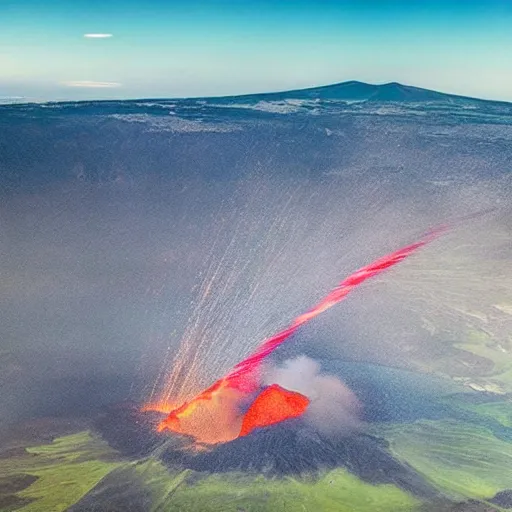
334, 408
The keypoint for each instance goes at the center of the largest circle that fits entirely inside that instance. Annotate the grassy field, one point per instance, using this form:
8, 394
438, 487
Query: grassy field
498, 411
57, 474
462, 460
485, 346
336, 491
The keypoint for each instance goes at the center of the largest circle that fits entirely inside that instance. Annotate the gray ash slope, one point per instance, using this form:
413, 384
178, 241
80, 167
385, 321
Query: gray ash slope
293, 448
288, 449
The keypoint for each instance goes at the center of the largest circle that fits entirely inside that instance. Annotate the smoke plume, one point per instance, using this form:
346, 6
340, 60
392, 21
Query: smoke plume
334, 409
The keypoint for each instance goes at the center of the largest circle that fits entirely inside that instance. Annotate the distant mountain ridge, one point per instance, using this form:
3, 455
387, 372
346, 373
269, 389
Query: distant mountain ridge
360, 91
352, 91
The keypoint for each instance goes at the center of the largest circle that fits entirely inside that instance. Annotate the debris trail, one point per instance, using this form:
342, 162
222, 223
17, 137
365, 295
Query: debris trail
245, 378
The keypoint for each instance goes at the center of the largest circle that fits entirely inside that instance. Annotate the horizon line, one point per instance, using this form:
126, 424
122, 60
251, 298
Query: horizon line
246, 95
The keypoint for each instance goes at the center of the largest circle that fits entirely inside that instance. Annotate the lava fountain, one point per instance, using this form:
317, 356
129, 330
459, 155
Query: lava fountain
216, 415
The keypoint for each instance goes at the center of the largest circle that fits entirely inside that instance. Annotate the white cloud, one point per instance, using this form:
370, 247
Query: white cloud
90, 83
333, 407
11, 99
98, 36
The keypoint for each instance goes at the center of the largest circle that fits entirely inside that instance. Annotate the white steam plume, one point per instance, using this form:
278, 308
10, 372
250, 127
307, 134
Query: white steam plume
334, 409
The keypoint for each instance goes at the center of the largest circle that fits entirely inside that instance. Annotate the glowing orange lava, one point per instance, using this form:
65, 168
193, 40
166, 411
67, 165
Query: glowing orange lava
215, 418
162, 406
214, 415
273, 405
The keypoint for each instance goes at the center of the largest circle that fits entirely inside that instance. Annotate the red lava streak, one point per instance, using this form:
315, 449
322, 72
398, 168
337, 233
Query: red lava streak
222, 398
273, 405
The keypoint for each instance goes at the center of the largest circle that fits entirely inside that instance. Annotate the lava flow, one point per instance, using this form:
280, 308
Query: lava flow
215, 415
273, 405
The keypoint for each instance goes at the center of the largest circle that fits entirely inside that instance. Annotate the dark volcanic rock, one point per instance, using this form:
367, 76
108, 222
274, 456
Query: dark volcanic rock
464, 506
16, 483
128, 430
292, 448
10, 502
11, 485
503, 499
117, 492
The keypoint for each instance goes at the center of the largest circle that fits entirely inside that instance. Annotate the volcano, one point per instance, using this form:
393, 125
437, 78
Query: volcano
214, 415
289, 448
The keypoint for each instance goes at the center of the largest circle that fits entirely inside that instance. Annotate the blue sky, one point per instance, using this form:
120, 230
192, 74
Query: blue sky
178, 48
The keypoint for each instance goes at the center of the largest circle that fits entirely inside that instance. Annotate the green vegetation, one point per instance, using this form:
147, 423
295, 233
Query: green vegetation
66, 470
336, 491
55, 476
497, 411
483, 345
463, 460
500, 411
161, 481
